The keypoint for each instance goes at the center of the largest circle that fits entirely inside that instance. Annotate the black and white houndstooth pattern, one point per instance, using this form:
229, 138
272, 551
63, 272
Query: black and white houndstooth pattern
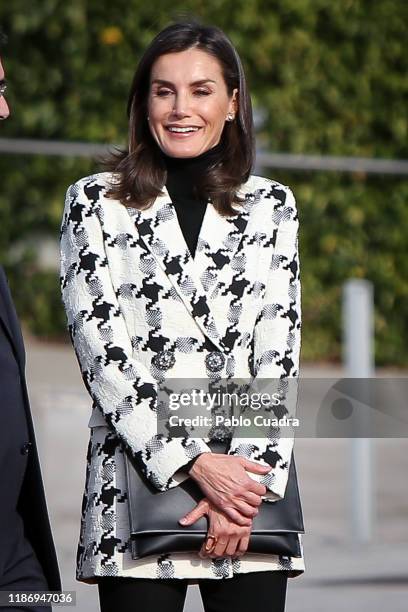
141, 310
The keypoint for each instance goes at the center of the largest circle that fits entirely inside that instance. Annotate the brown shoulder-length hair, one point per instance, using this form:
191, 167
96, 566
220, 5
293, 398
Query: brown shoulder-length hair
141, 171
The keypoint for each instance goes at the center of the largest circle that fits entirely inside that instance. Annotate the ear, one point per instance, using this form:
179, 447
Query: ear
234, 102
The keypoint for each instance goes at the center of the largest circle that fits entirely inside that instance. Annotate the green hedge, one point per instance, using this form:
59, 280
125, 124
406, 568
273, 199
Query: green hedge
332, 78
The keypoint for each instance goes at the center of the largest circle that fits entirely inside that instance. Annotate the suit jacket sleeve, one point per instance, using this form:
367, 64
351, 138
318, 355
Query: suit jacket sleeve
276, 352
121, 386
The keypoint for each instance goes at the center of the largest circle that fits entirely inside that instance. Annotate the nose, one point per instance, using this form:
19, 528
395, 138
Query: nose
181, 104
4, 109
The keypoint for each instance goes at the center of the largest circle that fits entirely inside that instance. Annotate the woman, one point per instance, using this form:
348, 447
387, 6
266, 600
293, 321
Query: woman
180, 263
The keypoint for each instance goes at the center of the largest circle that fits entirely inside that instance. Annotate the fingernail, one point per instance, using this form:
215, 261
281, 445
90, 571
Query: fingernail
183, 520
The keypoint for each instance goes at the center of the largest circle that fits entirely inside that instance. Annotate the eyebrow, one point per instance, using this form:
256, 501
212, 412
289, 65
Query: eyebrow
199, 82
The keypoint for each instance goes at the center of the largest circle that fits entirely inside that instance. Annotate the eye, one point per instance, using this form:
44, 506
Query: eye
202, 92
163, 92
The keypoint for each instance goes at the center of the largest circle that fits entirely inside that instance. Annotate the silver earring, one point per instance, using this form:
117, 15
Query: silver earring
230, 117
148, 118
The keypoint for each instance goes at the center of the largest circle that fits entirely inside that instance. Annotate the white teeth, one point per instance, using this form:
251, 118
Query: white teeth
177, 129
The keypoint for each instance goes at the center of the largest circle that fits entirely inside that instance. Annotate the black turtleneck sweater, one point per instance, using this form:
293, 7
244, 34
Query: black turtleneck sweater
182, 173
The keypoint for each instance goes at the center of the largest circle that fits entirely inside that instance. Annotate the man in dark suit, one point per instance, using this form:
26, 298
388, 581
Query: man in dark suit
27, 555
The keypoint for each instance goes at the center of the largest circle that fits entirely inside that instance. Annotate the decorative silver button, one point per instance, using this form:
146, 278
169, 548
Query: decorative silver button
215, 361
164, 360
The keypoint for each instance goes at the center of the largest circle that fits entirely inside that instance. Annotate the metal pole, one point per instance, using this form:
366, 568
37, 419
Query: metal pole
359, 363
286, 161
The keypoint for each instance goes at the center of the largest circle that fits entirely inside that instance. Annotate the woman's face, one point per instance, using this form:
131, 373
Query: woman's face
187, 89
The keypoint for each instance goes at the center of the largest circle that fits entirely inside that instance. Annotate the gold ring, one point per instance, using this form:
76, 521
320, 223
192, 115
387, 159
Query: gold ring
214, 544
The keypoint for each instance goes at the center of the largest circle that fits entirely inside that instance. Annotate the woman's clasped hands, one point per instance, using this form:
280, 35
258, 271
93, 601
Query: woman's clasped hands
227, 538
231, 502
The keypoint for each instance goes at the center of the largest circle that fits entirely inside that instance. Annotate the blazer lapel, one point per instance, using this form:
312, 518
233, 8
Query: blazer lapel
193, 279
9, 320
218, 241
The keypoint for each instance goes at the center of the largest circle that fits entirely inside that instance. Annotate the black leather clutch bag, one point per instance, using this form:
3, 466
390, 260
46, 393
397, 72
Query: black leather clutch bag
154, 516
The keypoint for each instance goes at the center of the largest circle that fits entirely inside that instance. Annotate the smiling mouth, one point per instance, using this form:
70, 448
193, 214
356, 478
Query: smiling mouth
183, 132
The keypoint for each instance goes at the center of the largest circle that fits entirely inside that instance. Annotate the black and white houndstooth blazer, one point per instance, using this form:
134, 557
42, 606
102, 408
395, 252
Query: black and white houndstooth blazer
141, 310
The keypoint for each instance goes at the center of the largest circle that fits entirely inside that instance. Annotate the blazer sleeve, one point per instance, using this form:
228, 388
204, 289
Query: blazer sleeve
121, 386
276, 353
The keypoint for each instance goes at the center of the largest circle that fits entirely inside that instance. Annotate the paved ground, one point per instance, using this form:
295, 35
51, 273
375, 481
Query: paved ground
339, 574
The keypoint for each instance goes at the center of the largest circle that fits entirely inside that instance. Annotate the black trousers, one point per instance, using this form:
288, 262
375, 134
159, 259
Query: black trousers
251, 592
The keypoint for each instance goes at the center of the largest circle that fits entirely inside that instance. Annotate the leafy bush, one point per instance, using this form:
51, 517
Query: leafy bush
331, 77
